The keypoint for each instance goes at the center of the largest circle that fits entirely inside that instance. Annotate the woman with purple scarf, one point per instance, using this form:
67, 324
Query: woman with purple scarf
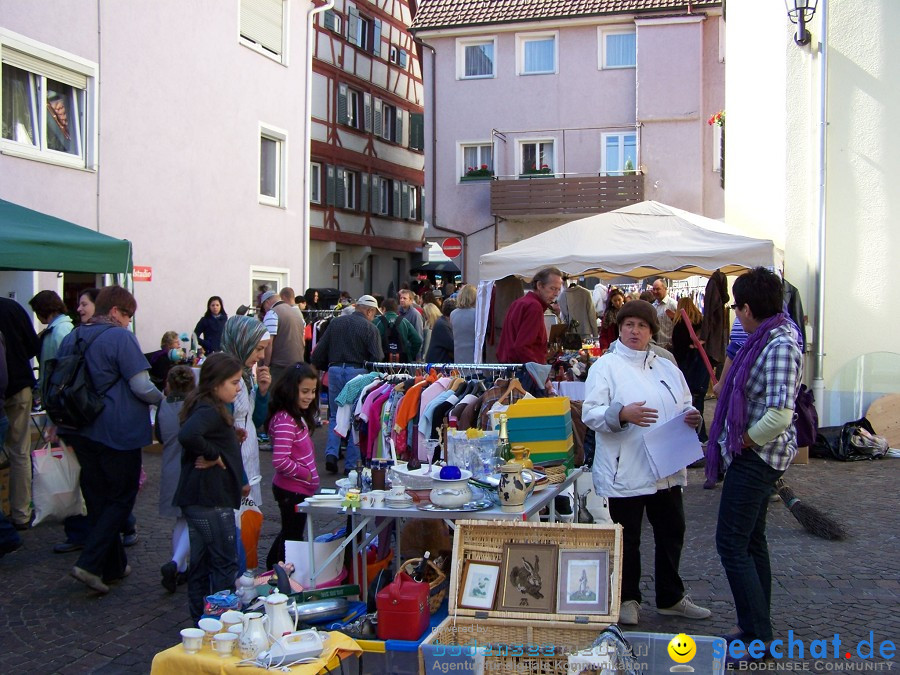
753, 436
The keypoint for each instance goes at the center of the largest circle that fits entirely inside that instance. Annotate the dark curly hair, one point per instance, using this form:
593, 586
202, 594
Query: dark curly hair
284, 394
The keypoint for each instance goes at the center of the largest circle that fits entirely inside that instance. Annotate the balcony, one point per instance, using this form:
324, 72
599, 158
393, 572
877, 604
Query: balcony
549, 195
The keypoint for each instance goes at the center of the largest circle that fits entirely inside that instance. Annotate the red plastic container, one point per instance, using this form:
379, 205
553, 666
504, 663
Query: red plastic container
403, 612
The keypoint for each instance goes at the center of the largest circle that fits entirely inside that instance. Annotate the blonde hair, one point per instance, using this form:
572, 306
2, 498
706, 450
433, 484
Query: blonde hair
432, 314
466, 297
688, 306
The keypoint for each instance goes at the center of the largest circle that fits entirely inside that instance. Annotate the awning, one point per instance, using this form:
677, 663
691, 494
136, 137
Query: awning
436, 267
31, 240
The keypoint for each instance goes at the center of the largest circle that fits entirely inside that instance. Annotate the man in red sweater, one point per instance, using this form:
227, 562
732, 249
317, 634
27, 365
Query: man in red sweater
524, 335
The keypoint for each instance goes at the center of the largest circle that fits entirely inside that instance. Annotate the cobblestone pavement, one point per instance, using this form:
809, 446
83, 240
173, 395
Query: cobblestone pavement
51, 623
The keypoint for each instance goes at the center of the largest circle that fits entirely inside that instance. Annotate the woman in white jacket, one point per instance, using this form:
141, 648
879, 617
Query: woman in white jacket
629, 390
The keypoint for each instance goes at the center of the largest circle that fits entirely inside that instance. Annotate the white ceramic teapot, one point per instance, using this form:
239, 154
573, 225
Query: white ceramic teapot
278, 616
253, 638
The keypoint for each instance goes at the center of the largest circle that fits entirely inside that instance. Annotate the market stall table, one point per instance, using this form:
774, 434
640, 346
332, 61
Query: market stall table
362, 518
176, 661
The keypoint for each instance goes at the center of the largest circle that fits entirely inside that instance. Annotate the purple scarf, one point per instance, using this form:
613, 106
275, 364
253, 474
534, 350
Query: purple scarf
732, 408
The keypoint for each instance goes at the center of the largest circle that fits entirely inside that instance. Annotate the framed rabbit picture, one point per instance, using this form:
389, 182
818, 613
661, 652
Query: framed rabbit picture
528, 578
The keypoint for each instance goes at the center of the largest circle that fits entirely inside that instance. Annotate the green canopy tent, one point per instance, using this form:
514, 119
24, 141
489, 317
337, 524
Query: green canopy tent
30, 240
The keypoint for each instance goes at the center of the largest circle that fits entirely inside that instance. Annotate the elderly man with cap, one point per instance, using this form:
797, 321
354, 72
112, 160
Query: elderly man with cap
630, 390
349, 342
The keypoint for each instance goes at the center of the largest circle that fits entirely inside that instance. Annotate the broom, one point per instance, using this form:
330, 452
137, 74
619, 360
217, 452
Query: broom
813, 521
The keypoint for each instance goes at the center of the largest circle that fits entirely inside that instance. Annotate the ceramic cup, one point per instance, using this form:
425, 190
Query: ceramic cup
398, 491
232, 618
210, 627
192, 639
372, 500
224, 643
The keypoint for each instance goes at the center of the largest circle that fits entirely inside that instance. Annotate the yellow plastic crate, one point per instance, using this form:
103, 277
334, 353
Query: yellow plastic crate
539, 407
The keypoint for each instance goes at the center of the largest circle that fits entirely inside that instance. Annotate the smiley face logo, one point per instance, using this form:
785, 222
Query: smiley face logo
682, 648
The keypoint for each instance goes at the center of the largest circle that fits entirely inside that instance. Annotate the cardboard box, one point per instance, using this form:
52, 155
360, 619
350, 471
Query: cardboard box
802, 456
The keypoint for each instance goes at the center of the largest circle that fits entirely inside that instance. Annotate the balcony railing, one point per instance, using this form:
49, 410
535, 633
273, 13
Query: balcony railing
545, 195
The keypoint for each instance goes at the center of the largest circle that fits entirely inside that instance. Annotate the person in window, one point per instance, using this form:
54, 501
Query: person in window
209, 329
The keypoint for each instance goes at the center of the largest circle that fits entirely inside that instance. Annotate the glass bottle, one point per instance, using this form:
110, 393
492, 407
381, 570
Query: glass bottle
504, 450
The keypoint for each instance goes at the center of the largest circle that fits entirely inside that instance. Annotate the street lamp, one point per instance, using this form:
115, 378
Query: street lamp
801, 13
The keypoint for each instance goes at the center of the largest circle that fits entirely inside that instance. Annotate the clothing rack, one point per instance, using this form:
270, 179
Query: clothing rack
386, 365
319, 313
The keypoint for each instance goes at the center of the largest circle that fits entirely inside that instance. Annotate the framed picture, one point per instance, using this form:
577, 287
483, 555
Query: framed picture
528, 578
479, 584
583, 582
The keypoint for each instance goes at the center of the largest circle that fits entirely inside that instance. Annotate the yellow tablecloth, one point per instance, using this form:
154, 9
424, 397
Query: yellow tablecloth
174, 661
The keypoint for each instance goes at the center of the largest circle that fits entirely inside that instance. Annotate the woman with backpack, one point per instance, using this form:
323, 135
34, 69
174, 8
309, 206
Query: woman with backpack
108, 447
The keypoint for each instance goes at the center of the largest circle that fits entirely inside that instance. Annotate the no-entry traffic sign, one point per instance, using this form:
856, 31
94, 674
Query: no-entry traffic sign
451, 247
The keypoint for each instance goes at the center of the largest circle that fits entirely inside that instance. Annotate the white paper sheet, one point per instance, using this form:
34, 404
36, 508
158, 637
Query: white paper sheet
672, 445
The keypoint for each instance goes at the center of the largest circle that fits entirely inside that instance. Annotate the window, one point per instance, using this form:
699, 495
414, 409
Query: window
389, 123
619, 154
364, 32
271, 166
536, 53
414, 202
315, 183
47, 103
475, 58
385, 192
346, 189
333, 21
392, 54
537, 157
353, 108
263, 26
477, 161
618, 49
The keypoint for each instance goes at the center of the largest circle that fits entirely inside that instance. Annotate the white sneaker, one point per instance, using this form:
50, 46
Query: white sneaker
687, 609
630, 613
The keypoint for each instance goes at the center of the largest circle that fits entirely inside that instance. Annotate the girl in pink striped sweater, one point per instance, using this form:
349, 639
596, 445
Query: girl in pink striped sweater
291, 420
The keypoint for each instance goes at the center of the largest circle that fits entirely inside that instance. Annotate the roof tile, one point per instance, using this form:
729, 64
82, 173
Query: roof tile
432, 14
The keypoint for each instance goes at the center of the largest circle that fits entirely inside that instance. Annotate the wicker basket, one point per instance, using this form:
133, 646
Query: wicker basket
438, 583
556, 635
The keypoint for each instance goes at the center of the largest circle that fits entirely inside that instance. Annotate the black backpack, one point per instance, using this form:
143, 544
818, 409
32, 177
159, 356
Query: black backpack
393, 341
68, 393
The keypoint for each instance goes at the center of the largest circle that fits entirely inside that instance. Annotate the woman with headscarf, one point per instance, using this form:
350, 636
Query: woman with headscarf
245, 338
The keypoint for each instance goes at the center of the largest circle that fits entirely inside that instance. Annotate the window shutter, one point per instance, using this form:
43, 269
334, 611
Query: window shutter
262, 22
417, 131
396, 204
376, 194
353, 25
404, 201
376, 38
328, 20
379, 130
341, 192
39, 66
367, 104
364, 192
403, 58
342, 104
330, 185
399, 127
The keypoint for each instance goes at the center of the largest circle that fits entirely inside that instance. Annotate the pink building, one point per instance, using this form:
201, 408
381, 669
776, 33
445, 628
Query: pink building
180, 126
542, 112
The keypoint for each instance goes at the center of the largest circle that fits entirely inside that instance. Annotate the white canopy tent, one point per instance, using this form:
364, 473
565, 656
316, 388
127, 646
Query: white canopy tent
637, 241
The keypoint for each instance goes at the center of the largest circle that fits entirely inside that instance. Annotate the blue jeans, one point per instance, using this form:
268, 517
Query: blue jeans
214, 564
741, 541
338, 376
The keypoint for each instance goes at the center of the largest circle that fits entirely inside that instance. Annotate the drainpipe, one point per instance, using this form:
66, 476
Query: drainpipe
307, 136
434, 110
818, 383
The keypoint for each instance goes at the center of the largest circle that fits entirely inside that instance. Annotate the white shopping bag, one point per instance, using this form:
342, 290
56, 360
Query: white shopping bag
54, 488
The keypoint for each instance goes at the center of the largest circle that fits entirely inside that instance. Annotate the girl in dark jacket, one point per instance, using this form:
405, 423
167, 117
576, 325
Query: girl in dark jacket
210, 326
212, 479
